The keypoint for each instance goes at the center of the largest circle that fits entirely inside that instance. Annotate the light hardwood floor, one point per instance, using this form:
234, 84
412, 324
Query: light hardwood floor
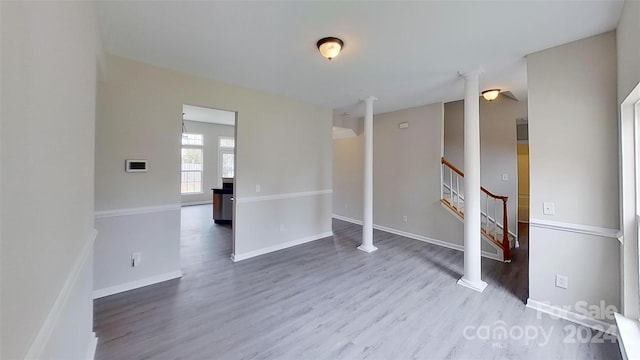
328, 300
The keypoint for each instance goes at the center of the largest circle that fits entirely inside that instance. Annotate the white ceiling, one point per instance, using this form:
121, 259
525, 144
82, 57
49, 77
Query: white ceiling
405, 53
213, 116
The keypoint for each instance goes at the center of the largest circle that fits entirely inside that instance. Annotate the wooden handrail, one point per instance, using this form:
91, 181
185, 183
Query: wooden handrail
451, 166
498, 197
505, 245
484, 190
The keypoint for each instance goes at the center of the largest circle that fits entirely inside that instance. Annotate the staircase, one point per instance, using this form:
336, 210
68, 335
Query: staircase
493, 213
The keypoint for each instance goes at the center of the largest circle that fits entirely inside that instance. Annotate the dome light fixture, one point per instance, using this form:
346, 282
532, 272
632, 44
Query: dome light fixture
330, 47
491, 94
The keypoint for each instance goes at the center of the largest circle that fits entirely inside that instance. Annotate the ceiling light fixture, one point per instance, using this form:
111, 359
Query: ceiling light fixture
330, 47
491, 94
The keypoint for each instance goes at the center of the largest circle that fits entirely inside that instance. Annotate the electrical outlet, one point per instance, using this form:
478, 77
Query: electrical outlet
136, 259
505, 177
562, 281
257, 188
404, 218
549, 208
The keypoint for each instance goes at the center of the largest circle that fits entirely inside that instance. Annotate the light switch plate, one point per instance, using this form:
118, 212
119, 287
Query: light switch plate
505, 177
562, 281
549, 208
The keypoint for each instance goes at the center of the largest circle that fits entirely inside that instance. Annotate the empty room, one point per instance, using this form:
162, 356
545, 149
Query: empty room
319, 179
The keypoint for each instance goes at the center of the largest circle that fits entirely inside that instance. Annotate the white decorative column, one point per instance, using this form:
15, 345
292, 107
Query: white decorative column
472, 218
367, 218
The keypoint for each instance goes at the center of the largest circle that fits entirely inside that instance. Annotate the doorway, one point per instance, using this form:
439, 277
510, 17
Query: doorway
522, 127
207, 181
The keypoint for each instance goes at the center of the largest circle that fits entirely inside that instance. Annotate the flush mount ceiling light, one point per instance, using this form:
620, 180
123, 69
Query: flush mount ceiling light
330, 47
491, 94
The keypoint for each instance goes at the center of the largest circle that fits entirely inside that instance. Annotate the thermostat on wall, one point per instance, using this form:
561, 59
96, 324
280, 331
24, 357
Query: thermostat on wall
135, 166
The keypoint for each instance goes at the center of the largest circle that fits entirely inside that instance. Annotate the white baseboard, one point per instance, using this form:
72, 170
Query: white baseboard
433, 241
446, 244
347, 219
91, 350
192, 203
136, 284
250, 254
46, 330
572, 316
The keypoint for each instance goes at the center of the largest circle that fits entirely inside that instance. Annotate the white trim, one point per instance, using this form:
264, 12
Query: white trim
192, 203
433, 241
478, 286
269, 249
347, 219
46, 330
249, 199
136, 284
93, 344
628, 335
136, 211
574, 317
417, 237
367, 249
575, 228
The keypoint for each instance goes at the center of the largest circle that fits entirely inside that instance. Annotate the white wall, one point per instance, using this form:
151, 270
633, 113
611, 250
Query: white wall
498, 150
573, 147
282, 145
406, 176
49, 68
211, 178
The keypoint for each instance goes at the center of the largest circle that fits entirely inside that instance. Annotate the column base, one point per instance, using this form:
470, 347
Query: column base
367, 249
478, 286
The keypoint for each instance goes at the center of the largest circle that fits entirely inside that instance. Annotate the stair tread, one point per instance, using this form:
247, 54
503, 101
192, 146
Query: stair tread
488, 228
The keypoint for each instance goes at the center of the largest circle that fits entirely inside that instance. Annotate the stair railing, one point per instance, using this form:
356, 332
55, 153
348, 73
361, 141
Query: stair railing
453, 198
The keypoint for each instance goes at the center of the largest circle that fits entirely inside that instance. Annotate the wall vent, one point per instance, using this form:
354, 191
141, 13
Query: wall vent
135, 166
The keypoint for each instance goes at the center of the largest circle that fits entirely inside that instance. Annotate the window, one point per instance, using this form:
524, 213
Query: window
192, 139
191, 167
227, 142
226, 149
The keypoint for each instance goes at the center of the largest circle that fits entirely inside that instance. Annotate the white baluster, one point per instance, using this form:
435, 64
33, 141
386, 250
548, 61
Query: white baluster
486, 213
458, 191
451, 184
495, 221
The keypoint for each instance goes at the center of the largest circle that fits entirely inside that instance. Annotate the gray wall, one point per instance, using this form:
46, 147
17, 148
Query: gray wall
210, 175
628, 46
628, 41
49, 67
406, 176
282, 145
573, 144
498, 151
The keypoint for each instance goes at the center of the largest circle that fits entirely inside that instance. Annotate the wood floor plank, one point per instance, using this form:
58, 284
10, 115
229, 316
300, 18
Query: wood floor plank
327, 300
